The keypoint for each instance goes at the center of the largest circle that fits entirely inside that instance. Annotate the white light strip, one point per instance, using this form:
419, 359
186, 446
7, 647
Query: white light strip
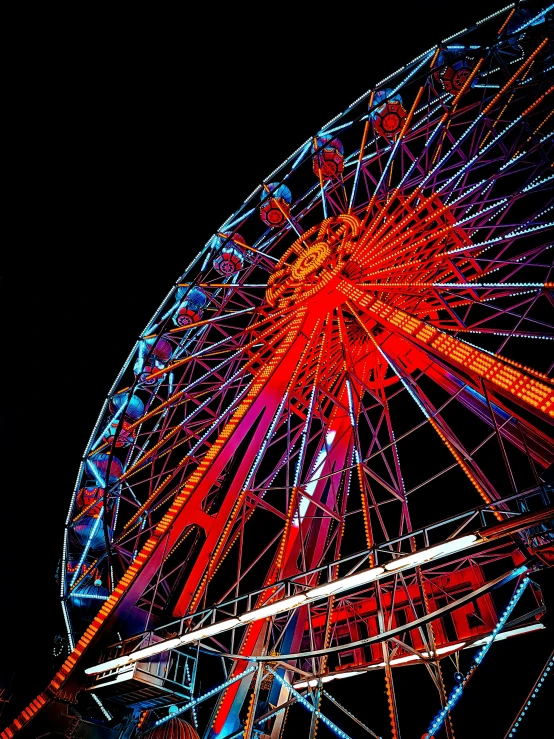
121, 676
155, 649
327, 679
344, 583
415, 657
426, 555
454, 35
202, 633
312, 683
506, 635
111, 664
272, 608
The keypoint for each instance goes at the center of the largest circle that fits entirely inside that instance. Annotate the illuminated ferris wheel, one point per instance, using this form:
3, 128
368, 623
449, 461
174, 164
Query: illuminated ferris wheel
329, 455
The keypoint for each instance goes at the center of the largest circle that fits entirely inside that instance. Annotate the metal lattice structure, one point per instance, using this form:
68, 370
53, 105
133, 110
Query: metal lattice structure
353, 379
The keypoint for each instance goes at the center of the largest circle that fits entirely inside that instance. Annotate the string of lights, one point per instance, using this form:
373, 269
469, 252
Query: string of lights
456, 693
303, 702
549, 666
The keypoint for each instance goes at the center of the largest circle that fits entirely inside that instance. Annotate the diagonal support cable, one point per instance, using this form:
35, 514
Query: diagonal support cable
193, 703
354, 718
300, 698
549, 667
456, 693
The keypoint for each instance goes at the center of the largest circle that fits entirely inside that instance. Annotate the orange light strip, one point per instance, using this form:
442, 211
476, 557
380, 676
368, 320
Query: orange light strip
168, 519
294, 494
283, 334
180, 329
365, 512
404, 128
146, 456
537, 101
533, 392
362, 147
499, 116
371, 237
171, 400
474, 481
242, 246
514, 77
396, 143
454, 105
503, 26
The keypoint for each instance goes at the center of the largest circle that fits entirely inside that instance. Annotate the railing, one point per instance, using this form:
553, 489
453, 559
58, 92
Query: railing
174, 667
530, 503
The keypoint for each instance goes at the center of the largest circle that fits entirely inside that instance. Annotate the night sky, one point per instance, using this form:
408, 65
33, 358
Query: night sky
144, 134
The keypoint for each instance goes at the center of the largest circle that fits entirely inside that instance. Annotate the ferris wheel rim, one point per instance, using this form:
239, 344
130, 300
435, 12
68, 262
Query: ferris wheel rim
232, 374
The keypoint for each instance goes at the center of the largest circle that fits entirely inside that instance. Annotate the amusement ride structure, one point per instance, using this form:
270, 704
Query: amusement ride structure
329, 456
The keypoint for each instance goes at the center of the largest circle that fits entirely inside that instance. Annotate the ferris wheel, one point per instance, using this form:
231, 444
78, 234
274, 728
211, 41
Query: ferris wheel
329, 455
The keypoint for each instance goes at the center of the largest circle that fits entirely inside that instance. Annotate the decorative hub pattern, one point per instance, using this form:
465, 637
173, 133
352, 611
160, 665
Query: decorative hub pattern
310, 261
322, 253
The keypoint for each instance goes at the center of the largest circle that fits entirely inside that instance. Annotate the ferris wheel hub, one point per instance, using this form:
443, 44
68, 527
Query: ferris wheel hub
313, 258
321, 254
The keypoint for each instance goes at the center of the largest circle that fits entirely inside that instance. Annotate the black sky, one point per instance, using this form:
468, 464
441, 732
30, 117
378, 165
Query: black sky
141, 135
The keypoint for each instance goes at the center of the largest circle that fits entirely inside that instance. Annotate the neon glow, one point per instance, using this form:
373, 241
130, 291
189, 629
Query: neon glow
206, 631
309, 706
548, 668
311, 485
327, 679
276, 431
426, 555
456, 693
273, 608
346, 583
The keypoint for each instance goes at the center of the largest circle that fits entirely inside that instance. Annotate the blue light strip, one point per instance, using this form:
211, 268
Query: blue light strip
538, 181
104, 710
475, 157
534, 20
87, 546
300, 698
303, 440
300, 157
408, 388
512, 235
232, 223
549, 666
335, 701
456, 693
390, 96
267, 439
493, 15
194, 716
209, 694
350, 404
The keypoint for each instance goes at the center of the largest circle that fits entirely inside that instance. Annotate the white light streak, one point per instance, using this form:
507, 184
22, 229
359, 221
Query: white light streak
273, 608
345, 583
206, 631
426, 555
